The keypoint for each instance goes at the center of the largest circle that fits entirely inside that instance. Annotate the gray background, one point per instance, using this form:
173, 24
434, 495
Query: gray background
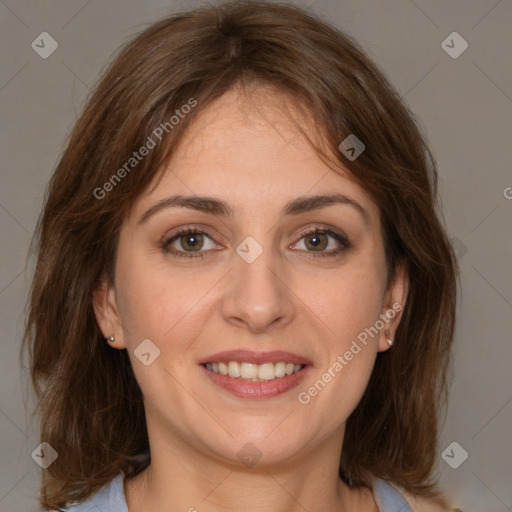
465, 105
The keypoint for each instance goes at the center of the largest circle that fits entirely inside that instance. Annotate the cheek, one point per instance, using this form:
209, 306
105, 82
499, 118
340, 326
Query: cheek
346, 307
347, 301
160, 304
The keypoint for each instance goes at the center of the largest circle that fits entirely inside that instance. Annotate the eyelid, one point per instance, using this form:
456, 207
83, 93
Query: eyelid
324, 228
192, 228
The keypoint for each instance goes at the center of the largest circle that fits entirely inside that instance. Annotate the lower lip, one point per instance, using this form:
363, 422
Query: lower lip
257, 390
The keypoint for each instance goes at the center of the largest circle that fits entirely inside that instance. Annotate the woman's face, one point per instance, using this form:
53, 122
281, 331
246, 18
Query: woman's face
253, 279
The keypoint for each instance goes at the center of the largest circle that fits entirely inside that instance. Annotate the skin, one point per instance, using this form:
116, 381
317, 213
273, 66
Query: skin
250, 155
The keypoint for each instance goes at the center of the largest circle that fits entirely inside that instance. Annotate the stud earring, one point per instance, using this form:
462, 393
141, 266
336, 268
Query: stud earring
388, 338
110, 339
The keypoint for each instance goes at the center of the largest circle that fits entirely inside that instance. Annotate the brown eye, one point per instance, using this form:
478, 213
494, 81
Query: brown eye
187, 242
193, 241
318, 240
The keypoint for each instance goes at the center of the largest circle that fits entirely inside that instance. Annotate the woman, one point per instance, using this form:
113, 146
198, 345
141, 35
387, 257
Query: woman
244, 296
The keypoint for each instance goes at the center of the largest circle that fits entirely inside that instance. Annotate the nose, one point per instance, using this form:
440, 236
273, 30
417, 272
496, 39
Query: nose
258, 297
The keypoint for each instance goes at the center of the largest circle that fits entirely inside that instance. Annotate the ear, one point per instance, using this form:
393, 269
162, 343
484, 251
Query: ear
393, 305
107, 314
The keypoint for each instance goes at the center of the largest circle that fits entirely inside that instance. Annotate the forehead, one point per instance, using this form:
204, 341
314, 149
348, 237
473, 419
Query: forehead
246, 148
260, 121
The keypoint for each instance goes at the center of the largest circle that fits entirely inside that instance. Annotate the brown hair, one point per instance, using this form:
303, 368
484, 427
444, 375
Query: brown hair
91, 405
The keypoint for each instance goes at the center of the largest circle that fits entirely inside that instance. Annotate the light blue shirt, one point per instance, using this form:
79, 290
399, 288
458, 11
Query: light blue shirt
110, 498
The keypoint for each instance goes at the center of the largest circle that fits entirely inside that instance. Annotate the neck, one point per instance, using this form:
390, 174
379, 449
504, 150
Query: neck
181, 477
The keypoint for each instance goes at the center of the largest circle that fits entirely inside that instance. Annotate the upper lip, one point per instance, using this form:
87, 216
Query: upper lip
249, 356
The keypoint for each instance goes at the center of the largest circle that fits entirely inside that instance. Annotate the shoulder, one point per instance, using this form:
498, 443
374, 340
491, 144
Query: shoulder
109, 497
420, 504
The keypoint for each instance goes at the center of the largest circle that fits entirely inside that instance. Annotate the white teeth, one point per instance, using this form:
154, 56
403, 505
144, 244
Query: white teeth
234, 369
254, 372
280, 369
249, 371
266, 371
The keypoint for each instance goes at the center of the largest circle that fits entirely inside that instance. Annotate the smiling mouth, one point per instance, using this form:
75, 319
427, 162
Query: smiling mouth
252, 372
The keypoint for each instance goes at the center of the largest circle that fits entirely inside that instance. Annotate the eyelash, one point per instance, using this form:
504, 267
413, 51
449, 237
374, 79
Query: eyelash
166, 242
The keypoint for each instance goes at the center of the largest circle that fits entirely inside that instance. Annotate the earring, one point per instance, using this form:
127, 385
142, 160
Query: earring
388, 338
110, 339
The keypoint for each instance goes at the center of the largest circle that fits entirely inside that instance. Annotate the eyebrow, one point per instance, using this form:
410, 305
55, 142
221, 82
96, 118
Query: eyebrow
215, 206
